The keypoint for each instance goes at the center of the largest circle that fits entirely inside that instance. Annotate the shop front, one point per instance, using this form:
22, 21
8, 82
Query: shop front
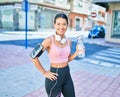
113, 23
6, 17
12, 17
113, 20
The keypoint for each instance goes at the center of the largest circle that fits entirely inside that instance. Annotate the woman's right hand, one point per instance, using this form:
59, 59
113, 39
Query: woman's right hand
50, 75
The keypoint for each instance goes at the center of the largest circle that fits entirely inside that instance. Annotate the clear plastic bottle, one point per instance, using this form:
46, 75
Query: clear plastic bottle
80, 45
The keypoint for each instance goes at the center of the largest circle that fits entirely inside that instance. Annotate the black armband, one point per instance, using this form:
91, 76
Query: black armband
37, 51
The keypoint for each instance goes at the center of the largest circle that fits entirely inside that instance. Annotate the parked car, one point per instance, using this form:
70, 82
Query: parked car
97, 32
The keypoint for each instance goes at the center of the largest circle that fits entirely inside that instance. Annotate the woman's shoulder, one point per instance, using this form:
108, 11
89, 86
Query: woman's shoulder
48, 39
47, 42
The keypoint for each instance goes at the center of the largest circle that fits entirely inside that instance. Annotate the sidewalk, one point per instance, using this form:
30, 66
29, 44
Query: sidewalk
20, 78
24, 80
15, 35
20, 35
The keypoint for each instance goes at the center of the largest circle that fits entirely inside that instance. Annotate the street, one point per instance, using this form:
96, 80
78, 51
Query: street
32, 43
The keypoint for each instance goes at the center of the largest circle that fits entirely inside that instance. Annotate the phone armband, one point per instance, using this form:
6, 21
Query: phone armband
37, 51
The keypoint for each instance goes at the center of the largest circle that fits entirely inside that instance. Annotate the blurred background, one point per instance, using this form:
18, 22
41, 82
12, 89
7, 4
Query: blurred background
83, 15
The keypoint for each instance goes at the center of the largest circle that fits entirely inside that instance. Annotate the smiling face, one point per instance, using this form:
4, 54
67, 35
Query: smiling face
60, 26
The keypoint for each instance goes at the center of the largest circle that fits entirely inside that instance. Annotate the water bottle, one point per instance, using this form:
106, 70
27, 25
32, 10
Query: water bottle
80, 46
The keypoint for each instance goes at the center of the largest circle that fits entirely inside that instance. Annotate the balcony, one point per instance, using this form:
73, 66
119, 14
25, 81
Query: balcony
100, 1
83, 7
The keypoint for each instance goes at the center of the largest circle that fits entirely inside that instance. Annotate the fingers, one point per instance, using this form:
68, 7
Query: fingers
81, 50
54, 76
50, 75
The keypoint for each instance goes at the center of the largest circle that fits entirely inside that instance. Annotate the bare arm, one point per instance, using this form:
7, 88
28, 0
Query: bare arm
36, 60
38, 65
52, 76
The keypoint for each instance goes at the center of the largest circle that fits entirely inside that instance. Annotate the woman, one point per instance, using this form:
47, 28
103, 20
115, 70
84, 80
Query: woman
58, 79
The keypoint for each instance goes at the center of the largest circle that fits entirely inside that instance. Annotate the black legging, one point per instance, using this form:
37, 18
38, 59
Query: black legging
63, 83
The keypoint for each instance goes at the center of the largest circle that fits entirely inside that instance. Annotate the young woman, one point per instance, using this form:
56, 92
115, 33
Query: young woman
58, 78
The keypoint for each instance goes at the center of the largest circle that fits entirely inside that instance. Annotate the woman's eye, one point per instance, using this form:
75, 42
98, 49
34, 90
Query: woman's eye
58, 24
64, 24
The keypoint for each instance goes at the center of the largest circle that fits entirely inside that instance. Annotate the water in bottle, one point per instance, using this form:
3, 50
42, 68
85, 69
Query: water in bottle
80, 46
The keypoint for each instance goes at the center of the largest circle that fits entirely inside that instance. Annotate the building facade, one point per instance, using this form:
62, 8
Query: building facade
113, 20
41, 14
98, 15
79, 13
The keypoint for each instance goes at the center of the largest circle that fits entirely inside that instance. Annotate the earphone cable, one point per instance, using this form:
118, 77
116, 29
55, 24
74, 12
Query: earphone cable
51, 90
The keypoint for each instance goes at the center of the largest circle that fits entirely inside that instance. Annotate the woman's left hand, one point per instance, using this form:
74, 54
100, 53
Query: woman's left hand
50, 75
78, 51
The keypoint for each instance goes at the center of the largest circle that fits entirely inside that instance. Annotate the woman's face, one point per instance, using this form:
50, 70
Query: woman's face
60, 26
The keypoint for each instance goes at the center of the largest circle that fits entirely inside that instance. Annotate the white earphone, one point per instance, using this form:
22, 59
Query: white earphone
58, 38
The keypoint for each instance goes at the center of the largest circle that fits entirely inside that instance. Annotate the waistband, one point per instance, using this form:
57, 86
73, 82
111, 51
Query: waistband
61, 71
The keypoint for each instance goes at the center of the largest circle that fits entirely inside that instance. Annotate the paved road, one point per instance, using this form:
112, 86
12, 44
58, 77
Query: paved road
97, 75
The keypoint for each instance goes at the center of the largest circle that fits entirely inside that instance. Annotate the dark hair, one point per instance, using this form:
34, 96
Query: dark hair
61, 15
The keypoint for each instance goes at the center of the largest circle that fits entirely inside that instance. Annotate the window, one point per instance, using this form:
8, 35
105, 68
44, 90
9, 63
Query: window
49, 1
79, 4
69, 1
116, 25
63, 1
80, 0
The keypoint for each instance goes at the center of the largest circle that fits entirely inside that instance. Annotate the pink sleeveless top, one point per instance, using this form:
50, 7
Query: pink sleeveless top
58, 54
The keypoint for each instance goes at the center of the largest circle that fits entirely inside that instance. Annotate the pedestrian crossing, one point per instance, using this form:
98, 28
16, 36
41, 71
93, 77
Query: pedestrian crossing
108, 57
106, 54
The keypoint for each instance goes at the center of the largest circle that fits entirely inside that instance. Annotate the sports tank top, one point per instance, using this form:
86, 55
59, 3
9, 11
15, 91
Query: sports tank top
58, 54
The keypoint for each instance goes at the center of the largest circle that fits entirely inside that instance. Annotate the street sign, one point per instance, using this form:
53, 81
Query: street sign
25, 5
93, 14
